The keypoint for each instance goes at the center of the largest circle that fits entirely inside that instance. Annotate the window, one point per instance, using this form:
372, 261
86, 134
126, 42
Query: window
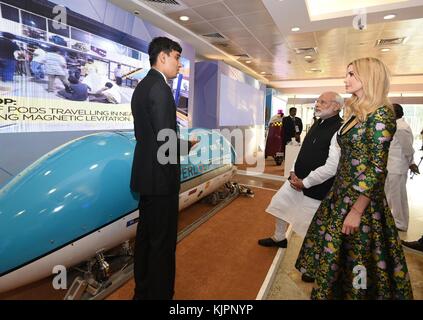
9, 13
63, 31
33, 20
413, 115
134, 54
80, 35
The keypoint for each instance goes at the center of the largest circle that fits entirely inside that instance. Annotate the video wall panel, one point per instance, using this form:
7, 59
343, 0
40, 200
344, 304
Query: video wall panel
68, 79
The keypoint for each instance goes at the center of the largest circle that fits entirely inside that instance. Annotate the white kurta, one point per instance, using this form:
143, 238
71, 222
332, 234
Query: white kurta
293, 206
401, 156
396, 194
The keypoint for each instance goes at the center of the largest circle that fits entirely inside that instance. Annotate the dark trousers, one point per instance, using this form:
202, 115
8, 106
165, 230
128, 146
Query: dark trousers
155, 245
7, 69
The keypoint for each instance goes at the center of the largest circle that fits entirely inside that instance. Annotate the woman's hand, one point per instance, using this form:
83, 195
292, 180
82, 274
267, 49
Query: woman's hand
351, 222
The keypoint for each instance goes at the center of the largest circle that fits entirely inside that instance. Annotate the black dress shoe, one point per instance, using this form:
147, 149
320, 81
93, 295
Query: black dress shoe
269, 242
307, 278
416, 246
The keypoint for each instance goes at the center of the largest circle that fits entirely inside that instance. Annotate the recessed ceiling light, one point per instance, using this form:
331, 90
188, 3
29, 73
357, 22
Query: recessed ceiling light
248, 61
385, 49
295, 29
184, 18
389, 16
263, 72
136, 12
307, 57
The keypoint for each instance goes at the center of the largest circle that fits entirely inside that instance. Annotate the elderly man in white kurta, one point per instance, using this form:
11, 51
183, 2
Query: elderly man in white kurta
312, 176
400, 159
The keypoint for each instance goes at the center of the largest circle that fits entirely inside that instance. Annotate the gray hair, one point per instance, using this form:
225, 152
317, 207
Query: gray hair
338, 99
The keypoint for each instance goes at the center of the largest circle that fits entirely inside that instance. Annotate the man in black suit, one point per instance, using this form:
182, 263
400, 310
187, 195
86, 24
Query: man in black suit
292, 126
157, 182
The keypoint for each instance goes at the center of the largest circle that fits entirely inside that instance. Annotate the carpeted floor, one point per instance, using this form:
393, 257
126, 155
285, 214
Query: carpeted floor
252, 181
221, 259
270, 167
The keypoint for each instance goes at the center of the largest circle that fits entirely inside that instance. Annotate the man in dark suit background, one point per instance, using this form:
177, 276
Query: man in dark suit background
292, 126
158, 184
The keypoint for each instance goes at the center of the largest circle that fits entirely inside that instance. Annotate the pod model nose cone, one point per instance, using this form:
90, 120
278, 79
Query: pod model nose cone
68, 193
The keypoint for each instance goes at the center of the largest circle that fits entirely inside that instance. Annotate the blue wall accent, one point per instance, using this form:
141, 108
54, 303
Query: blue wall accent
268, 114
204, 114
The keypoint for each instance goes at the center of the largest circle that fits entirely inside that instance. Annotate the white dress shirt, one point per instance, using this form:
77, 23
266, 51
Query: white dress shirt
401, 152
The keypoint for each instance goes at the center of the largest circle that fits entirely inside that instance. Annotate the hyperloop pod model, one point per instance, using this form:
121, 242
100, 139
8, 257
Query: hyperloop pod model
76, 201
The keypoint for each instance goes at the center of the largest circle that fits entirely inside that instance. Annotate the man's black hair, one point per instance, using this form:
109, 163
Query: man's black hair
292, 108
399, 112
160, 44
109, 85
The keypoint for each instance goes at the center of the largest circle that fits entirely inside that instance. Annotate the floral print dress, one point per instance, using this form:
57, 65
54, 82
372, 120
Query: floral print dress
370, 263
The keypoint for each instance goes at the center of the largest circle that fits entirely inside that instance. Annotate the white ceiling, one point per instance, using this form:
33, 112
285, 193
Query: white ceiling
260, 30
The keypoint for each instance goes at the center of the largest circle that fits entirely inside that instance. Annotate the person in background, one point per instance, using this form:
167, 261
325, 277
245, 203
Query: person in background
7, 56
292, 126
79, 90
21, 58
118, 75
352, 247
421, 133
73, 65
89, 68
277, 117
275, 146
400, 160
108, 94
37, 63
56, 68
314, 118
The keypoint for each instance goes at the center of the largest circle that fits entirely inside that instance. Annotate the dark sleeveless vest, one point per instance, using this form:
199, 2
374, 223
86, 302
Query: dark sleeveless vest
314, 153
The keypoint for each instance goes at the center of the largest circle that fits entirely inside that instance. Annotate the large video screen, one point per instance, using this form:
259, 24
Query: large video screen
67, 79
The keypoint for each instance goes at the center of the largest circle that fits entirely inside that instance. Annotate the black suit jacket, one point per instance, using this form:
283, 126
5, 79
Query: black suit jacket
153, 109
289, 127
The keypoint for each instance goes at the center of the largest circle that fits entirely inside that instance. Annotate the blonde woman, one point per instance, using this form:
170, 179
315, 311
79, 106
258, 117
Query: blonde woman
352, 247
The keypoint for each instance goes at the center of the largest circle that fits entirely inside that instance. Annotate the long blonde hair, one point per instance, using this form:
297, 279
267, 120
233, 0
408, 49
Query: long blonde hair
374, 76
